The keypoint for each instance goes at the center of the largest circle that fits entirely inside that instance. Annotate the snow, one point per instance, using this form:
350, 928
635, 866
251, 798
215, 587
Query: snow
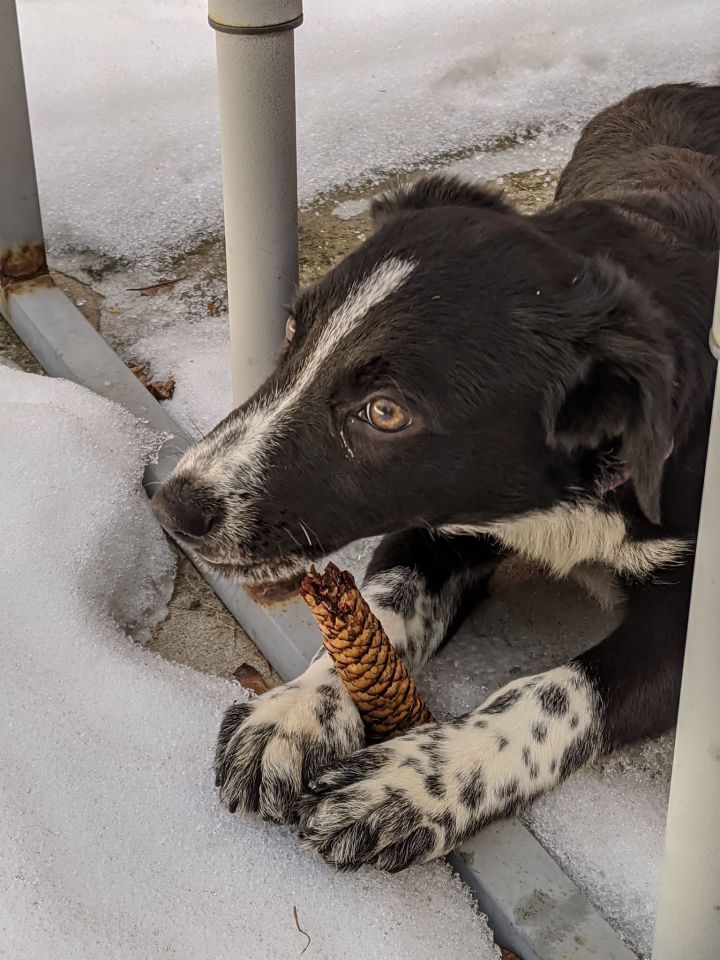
348, 209
606, 828
112, 843
123, 96
193, 353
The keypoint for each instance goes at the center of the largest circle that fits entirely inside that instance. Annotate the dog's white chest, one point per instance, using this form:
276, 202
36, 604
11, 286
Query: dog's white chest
569, 535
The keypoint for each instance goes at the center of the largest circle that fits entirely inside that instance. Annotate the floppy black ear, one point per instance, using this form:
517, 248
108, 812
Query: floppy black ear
438, 190
619, 387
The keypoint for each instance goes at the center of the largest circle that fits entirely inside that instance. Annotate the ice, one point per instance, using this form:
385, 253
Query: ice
606, 826
196, 355
348, 209
548, 151
112, 843
123, 95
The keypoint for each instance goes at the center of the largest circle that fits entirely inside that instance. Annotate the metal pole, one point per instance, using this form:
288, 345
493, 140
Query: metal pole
256, 74
22, 250
688, 917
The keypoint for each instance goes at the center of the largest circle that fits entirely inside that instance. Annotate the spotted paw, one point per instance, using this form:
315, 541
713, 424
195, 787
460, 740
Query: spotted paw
268, 750
379, 806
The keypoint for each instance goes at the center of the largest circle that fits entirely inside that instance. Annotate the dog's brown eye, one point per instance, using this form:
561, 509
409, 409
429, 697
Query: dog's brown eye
385, 414
290, 329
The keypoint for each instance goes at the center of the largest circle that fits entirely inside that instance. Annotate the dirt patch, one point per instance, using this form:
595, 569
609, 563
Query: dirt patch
329, 229
87, 300
12, 348
199, 631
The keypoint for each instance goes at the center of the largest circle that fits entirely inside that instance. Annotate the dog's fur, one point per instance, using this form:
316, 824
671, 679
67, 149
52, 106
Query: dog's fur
557, 374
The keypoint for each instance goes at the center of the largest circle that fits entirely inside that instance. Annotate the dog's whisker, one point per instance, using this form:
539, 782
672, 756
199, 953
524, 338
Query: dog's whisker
200, 432
173, 450
318, 541
292, 536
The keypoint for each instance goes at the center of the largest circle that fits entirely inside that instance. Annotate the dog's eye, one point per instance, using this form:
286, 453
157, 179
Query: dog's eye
384, 414
290, 329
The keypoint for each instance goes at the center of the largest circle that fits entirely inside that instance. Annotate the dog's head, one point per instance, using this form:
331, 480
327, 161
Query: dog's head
459, 367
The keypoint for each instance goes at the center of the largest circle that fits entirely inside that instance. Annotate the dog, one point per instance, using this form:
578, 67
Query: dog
473, 383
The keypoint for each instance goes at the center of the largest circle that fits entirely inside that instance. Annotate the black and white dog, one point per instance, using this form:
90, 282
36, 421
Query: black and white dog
473, 383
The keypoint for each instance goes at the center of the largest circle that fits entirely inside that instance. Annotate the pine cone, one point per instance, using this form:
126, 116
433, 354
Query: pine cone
375, 676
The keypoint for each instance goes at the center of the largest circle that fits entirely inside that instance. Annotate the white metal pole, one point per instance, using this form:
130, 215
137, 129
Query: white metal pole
688, 918
256, 73
22, 252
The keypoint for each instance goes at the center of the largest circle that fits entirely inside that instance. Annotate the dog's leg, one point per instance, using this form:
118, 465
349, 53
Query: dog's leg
268, 750
416, 797
636, 672
419, 585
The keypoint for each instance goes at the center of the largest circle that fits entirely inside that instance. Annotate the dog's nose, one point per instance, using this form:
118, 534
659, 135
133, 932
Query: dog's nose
183, 511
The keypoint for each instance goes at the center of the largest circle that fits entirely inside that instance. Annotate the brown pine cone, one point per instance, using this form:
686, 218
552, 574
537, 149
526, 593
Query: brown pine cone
375, 676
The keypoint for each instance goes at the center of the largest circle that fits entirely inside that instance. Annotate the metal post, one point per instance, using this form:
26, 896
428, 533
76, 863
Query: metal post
688, 918
22, 250
256, 71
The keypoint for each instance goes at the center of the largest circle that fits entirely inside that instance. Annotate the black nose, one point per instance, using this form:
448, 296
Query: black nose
183, 510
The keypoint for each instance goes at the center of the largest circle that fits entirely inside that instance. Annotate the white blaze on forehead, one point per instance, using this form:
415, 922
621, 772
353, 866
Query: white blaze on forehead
247, 442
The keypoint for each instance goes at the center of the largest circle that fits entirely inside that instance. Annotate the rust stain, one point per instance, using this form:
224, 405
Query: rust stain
42, 282
267, 595
23, 262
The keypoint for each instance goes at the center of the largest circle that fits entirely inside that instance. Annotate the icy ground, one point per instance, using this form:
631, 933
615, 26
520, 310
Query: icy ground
123, 95
112, 843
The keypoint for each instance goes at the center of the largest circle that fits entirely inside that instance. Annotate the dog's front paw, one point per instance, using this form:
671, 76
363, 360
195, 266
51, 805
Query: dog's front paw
387, 804
269, 749
418, 796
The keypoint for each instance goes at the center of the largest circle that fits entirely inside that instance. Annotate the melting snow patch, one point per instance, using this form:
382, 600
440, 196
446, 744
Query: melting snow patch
348, 209
124, 104
197, 356
112, 843
606, 827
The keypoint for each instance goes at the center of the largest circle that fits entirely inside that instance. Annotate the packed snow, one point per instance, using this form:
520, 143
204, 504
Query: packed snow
112, 843
123, 95
606, 828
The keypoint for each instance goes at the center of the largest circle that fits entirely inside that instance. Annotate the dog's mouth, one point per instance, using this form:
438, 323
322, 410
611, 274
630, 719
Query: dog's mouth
260, 572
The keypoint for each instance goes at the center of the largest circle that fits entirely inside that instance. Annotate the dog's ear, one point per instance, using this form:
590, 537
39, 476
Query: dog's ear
438, 190
619, 386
